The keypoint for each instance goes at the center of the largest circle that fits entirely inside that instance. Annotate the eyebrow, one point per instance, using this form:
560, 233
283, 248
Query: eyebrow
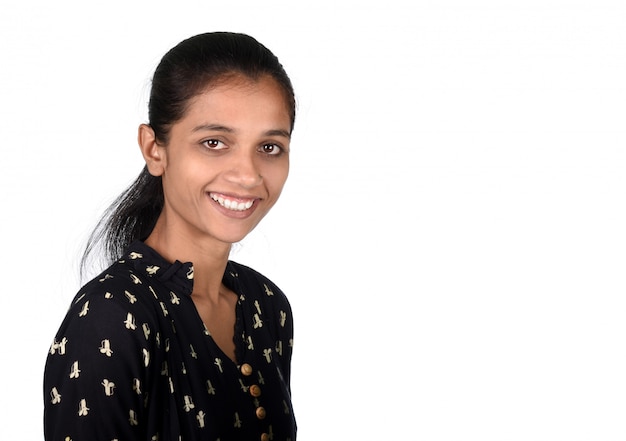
221, 128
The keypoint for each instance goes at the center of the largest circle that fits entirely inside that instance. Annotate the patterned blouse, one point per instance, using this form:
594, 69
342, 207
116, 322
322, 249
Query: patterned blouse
133, 361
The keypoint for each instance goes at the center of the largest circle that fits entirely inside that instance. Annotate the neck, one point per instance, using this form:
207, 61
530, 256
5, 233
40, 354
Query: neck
208, 256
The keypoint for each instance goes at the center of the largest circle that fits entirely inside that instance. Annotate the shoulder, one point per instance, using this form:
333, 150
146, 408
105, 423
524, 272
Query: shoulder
119, 282
118, 293
109, 324
251, 278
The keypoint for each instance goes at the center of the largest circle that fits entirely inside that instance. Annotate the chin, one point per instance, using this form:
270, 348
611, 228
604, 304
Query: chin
229, 232
233, 237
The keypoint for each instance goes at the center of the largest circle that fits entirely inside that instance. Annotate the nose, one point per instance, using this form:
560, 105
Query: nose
244, 171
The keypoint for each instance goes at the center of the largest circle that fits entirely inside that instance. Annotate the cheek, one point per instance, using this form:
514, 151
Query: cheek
179, 183
278, 177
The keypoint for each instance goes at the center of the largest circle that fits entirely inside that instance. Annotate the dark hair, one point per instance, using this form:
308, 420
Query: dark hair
188, 69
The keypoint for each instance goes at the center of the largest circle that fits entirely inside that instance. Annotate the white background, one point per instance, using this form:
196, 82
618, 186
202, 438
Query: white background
452, 236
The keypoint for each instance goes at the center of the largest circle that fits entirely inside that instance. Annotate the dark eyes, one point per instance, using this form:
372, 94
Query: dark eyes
271, 149
214, 144
268, 149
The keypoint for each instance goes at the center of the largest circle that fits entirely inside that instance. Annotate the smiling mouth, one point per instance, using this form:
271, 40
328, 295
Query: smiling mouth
232, 204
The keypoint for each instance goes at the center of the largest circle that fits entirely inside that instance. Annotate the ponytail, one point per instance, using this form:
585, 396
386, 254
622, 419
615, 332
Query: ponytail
131, 217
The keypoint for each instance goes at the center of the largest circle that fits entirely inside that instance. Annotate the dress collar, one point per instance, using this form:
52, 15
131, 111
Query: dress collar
177, 276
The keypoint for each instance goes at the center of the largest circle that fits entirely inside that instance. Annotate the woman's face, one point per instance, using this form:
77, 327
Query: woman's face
226, 161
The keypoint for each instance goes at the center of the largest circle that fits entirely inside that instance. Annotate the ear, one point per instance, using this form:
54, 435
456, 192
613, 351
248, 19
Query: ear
152, 152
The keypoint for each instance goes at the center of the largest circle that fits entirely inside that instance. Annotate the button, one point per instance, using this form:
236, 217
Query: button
260, 412
265, 437
246, 369
255, 390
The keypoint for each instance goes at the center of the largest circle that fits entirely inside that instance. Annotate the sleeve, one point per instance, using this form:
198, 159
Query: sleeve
277, 304
95, 370
284, 346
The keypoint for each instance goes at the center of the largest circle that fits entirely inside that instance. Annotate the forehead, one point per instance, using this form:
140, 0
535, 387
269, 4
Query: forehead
242, 100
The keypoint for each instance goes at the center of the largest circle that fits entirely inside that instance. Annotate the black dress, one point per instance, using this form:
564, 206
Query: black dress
133, 360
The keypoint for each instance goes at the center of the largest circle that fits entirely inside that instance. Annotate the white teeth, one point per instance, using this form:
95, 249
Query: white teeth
230, 204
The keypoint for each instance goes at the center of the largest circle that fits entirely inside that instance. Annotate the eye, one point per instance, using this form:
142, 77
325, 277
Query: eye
213, 144
271, 149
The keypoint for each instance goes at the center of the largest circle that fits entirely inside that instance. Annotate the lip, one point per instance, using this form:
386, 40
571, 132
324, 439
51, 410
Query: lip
246, 204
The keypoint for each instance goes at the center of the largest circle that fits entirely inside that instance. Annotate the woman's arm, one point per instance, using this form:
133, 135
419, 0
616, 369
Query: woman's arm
97, 369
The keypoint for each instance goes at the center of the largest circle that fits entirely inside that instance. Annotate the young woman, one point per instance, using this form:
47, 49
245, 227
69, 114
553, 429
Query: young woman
174, 341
